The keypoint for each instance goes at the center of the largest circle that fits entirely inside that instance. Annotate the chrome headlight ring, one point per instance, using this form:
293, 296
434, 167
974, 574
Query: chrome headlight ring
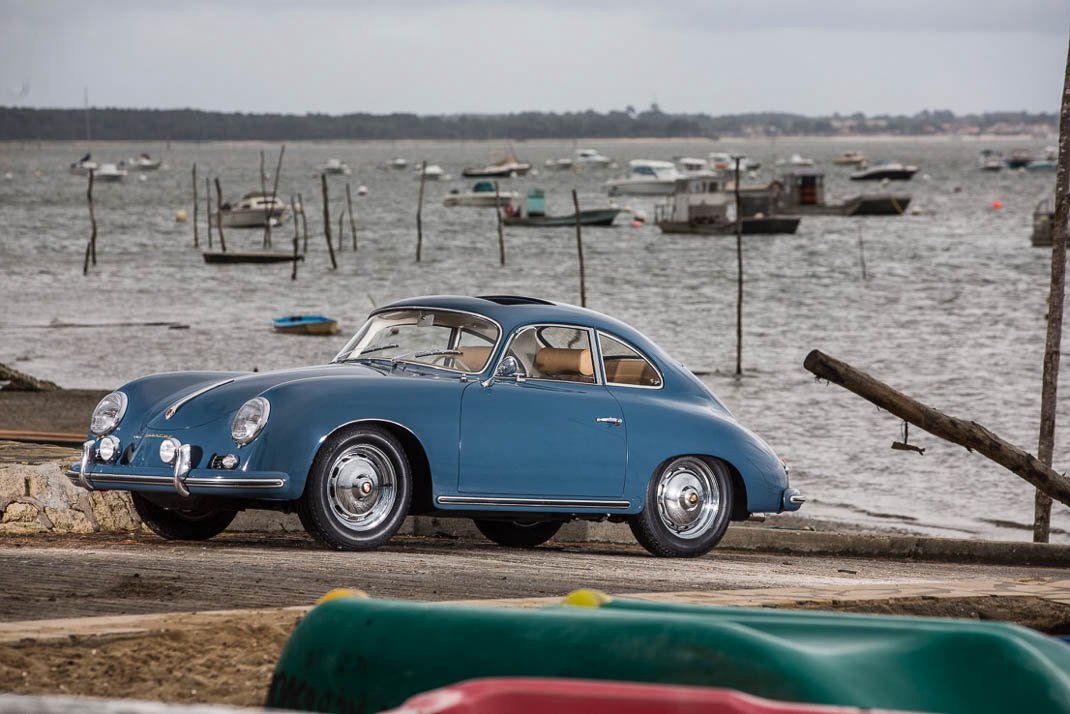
250, 420
108, 413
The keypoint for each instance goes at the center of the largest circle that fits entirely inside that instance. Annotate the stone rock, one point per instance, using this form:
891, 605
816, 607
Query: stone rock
19, 528
113, 511
20, 513
12, 484
68, 521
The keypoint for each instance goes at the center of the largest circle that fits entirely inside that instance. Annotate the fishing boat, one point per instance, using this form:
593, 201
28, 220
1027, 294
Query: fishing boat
395, 163
109, 172
1048, 163
851, 158
254, 210
1043, 222
432, 172
802, 192
688, 166
645, 178
562, 164
891, 170
250, 256
143, 162
335, 167
482, 195
590, 157
703, 206
1020, 159
509, 166
990, 161
305, 325
84, 165
533, 214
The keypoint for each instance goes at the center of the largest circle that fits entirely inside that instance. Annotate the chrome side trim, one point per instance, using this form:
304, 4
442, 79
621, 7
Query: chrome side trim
532, 502
197, 481
178, 405
208, 482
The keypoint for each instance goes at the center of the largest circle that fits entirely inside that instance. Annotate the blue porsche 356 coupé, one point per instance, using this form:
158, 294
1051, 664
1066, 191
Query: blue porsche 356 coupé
518, 413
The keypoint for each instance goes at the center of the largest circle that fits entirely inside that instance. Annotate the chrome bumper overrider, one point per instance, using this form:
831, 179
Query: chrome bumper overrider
792, 499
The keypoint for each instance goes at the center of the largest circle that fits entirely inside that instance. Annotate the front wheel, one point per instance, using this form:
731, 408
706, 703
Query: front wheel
359, 490
688, 507
518, 534
176, 524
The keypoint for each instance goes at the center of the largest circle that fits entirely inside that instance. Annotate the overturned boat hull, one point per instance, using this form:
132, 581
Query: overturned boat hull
250, 256
592, 217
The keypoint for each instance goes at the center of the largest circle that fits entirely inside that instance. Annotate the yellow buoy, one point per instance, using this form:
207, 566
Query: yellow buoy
180, 215
586, 597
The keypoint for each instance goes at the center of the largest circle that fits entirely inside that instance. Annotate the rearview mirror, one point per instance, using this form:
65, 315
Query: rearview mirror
508, 369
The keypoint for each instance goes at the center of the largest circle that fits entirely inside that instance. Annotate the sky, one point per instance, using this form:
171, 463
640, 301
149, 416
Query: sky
813, 57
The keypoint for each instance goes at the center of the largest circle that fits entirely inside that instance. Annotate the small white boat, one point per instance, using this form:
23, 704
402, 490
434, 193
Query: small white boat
590, 157
395, 163
506, 168
646, 178
721, 161
143, 162
83, 166
335, 167
254, 210
109, 172
795, 160
481, 196
559, 164
851, 158
990, 161
688, 166
433, 172
891, 170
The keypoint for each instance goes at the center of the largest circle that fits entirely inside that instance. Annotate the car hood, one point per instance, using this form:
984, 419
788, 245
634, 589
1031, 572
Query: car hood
222, 398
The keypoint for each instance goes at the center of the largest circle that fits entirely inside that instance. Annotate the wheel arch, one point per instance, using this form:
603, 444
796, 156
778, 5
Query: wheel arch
414, 449
740, 511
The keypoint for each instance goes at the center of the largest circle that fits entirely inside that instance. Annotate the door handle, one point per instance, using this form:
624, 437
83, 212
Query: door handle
615, 421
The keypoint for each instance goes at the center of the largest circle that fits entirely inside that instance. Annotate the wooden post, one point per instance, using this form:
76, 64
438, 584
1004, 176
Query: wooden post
352, 221
419, 212
219, 217
327, 222
196, 206
293, 209
304, 225
862, 251
501, 235
969, 434
579, 251
208, 203
267, 208
275, 188
739, 279
91, 246
341, 230
1056, 296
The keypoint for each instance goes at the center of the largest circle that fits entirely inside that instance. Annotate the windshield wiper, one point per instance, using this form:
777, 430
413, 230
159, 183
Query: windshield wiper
426, 353
368, 351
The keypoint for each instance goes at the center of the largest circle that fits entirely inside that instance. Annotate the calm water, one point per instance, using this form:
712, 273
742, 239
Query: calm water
953, 311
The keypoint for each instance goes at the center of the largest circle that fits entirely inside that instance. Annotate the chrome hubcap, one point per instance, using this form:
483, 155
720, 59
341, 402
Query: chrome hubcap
688, 497
362, 487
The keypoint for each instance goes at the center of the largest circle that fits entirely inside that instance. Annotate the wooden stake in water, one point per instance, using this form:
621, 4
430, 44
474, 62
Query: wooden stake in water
498, 213
208, 204
352, 221
579, 250
1056, 296
304, 224
219, 217
739, 279
341, 230
267, 207
275, 188
91, 246
862, 251
419, 212
327, 221
293, 209
196, 206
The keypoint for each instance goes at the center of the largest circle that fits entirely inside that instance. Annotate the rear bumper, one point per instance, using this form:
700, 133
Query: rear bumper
791, 500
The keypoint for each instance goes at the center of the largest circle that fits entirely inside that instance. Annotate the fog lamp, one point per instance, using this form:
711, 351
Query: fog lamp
108, 448
168, 448
229, 461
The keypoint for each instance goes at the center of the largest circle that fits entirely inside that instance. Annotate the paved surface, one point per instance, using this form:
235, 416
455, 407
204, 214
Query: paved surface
72, 576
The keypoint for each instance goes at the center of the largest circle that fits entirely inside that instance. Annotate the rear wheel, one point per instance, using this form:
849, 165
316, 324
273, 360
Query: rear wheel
518, 534
177, 524
358, 491
688, 507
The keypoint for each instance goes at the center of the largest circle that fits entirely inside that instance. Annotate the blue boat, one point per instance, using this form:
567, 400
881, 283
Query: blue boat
306, 325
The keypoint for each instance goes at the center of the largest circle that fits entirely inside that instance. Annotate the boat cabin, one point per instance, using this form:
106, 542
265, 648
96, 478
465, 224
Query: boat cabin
803, 187
535, 203
697, 201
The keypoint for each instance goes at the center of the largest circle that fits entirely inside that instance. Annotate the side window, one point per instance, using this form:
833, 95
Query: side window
560, 353
624, 364
475, 351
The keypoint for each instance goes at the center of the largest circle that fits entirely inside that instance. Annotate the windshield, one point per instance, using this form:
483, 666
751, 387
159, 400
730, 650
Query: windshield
455, 341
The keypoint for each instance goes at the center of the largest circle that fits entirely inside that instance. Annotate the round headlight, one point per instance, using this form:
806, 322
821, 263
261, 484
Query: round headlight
108, 448
108, 413
249, 420
168, 449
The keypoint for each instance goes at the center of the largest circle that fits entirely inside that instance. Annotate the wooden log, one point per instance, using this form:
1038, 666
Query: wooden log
739, 278
327, 221
1056, 297
579, 250
91, 246
419, 212
21, 382
501, 234
208, 204
969, 434
196, 206
352, 221
219, 216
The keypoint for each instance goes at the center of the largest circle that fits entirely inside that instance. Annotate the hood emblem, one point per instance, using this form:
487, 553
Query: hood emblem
170, 412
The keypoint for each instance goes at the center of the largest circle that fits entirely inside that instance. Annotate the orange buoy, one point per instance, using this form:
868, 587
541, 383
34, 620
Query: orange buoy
997, 204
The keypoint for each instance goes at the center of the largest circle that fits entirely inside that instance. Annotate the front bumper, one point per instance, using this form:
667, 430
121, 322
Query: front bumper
181, 479
791, 500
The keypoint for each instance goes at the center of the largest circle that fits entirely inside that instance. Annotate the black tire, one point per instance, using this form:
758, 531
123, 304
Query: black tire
174, 524
336, 511
669, 500
518, 534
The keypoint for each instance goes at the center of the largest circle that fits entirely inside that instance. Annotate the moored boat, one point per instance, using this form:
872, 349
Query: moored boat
250, 256
533, 214
802, 191
109, 172
143, 162
990, 161
1043, 222
83, 166
482, 195
851, 158
305, 325
645, 178
509, 166
891, 170
431, 172
701, 205
254, 210
335, 167
1020, 159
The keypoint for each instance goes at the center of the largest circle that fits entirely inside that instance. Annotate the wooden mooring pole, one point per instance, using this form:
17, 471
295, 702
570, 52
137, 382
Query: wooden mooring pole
969, 434
739, 279
1050, 384
275, 189
208, 209
219, 215
579, 250
352, 220
501, 234
91, 246
196, 206
420, 211
327, 221
267, 207
304, 224
862, 251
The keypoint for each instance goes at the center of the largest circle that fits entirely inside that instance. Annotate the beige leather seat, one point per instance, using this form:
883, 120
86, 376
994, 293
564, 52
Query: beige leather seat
473, 359
566, 364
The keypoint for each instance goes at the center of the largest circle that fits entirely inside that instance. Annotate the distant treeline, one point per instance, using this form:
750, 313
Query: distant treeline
188, 124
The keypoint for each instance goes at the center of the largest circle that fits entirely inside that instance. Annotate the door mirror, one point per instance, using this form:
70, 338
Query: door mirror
508, 369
